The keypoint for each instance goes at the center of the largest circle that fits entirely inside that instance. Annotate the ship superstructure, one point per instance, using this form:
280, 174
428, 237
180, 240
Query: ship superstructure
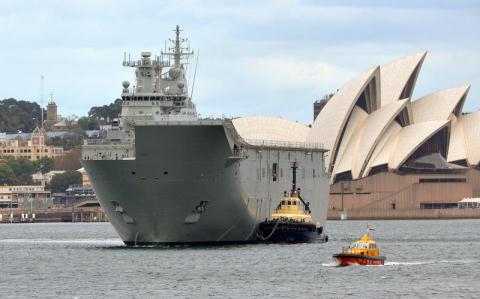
164, 175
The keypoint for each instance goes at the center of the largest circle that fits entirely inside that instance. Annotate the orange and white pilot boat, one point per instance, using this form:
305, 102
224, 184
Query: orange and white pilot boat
362, 252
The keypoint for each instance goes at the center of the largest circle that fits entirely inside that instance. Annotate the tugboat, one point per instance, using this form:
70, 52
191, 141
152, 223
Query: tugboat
362, 252
291, 221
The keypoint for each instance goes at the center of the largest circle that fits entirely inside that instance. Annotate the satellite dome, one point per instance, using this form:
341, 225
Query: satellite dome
180, 85
125, 84
174, 73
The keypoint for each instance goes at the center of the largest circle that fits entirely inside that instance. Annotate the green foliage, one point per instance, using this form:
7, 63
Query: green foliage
88, 123
7, 176
21, 168
43, 164
60, 182
69, 140
105, 112
19, 116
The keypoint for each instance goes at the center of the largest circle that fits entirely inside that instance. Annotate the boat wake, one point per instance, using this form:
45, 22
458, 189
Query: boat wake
416, 263
408, 263
332, 264
411, 263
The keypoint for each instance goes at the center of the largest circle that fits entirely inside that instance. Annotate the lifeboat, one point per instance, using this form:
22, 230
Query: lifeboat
291, 222
362, 252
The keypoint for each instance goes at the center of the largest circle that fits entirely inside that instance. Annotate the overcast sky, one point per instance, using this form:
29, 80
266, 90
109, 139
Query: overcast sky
256, 58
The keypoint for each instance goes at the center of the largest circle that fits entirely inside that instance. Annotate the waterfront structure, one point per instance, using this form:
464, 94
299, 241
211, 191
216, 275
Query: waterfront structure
85, 178
469, 203
75, 195
44, 178
33, 149
390, 155
163, 175
12, 196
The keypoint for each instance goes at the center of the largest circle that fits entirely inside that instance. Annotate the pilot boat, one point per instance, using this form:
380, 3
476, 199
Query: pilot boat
362, 252
291, 221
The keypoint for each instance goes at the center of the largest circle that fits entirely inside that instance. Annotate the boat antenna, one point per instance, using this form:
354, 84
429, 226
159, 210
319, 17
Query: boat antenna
306, 205
194, 74
189, 69
294, 179
370, 229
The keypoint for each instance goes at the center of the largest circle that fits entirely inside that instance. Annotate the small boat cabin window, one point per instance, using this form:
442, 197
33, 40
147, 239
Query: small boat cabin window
289, 203
294, 203
283, 202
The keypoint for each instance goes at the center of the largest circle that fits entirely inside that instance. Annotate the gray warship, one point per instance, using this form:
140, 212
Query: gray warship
165, 175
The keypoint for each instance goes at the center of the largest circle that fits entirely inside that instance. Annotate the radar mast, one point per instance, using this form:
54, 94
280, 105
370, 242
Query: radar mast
178, 51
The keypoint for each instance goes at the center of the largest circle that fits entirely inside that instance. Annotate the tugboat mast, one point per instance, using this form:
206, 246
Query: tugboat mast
294, 180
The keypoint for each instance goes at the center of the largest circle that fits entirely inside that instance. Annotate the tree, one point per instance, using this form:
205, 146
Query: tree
19, 116
105, 112
43, 165
88, 123
25, 179
69, 140
60, 182
7, 176
22, 169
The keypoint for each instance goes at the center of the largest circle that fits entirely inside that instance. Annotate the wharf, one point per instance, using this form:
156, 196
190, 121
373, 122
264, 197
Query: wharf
404, 214
85, 212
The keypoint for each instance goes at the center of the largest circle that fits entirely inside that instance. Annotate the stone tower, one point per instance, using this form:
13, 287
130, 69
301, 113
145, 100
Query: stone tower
51, 111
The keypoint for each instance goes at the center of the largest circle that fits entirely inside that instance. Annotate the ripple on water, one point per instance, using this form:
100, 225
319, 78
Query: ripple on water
88, 260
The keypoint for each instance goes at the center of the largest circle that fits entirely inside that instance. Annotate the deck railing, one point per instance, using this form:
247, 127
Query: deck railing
284, 144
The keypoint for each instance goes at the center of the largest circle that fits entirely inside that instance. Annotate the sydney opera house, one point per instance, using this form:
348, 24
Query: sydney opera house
391, 156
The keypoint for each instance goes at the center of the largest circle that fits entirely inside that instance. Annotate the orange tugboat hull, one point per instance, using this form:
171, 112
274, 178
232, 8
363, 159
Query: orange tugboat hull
364, 260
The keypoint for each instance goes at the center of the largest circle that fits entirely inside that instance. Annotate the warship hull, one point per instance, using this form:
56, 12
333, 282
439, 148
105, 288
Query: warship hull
186, 185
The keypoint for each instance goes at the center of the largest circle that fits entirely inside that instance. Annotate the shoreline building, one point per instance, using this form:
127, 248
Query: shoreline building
33, 149
394, 157
12, 196
45, 178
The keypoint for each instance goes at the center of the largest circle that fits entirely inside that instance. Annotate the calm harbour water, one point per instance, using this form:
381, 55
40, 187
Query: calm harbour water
425, 259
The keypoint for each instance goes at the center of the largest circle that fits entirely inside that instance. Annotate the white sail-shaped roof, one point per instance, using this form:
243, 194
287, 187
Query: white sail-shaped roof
471, 132
346, 154
386, 146
411, 138
370, 124
357, 117
329, 125
398, 78
366, 137
440, 105
457, 148
373, 129
270, 128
